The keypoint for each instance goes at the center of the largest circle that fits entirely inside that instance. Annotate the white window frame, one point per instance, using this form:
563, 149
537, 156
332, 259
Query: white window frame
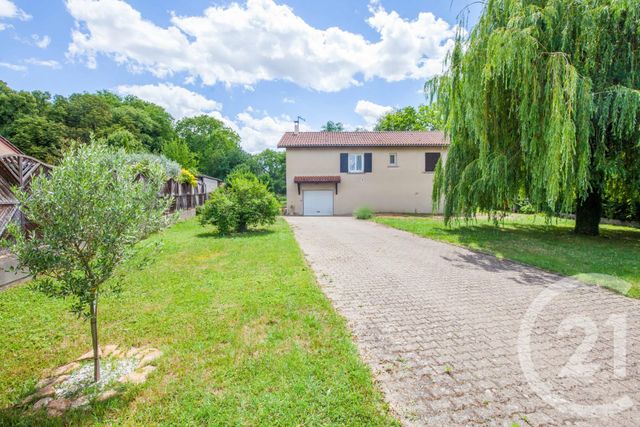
395, 158
349, 163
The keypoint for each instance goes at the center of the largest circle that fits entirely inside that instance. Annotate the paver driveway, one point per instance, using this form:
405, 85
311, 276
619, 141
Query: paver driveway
442, 329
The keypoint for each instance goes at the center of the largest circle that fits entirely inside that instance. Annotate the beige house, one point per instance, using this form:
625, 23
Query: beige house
334, 173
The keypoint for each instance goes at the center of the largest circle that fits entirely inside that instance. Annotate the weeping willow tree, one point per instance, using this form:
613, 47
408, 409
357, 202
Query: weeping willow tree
542, 98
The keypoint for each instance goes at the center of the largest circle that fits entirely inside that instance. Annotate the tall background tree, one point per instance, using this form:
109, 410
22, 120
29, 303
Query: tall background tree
216, 146
543, 97
44, 126
426, 117
270, 166
332, 126
179, 151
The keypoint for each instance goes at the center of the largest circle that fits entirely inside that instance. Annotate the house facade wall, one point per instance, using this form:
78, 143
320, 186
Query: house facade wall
405, 188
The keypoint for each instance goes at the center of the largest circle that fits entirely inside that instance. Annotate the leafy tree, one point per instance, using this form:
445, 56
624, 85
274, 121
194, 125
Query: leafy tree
179, 151
89, 213
333, 127
81, 117
398, 120
43, 101
151, 124
124, 139
272, 164
87, 115
216, 146
43, 126
57, 111
543, 96
14, 104
38, 137
242, 203
427, 117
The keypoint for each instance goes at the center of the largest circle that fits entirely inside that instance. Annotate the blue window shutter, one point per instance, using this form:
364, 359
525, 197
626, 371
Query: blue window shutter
430, 161
368, 162
344, 162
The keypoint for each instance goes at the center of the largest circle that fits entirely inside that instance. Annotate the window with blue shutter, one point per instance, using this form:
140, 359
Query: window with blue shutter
430, 161
356, 162
368, 162
344, 162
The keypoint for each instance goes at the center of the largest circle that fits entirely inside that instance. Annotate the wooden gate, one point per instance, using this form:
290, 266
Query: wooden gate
16, 171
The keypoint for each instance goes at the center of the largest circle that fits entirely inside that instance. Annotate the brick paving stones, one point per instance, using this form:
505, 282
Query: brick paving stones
442, 329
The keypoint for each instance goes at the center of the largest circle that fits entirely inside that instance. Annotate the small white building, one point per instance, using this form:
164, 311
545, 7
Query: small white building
210, 183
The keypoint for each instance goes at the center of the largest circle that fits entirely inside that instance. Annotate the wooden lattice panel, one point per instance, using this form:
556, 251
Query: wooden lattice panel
16, 171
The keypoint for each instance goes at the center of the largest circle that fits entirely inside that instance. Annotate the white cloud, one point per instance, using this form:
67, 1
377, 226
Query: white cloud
41, 42
178, 101
8, 10
50, 63
13, 67
371, 111
258, 133
36, 40
262, 40
414, 49
288, 100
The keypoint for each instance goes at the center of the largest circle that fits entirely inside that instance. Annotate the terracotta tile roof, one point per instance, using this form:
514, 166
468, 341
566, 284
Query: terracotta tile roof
316, 179
363, 139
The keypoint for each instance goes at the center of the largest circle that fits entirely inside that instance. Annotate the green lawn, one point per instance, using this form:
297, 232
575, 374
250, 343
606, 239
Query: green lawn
248, 339
529, 239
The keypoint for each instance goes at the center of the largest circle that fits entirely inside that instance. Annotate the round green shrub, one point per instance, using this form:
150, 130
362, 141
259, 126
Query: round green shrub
242, 203
363, 212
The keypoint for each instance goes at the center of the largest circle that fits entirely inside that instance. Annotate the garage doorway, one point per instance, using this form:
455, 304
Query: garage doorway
317, 202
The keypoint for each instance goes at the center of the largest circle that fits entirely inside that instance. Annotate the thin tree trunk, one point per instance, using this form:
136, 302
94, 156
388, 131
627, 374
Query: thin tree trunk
94, 338
588, 213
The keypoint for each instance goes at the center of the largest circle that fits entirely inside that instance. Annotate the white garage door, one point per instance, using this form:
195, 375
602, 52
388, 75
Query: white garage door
318, 203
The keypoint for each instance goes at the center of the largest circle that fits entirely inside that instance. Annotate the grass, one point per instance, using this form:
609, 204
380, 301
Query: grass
531, 240
248, 339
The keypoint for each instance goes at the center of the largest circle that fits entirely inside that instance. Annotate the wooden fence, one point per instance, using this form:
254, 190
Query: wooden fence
186, 196
16, 170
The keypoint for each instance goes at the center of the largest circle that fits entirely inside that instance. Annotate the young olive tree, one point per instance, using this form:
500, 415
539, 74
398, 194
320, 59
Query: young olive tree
89, 213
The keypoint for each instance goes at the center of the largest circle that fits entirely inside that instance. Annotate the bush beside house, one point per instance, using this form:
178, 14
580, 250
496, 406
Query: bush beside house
242, 203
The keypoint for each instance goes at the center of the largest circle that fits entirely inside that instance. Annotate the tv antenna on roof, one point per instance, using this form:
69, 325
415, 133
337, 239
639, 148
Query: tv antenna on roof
297, 123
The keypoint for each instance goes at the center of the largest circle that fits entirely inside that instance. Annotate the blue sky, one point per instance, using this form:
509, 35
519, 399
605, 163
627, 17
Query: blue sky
255, 64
